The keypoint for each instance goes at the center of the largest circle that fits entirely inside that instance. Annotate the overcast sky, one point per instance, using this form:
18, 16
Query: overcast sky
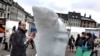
63, 6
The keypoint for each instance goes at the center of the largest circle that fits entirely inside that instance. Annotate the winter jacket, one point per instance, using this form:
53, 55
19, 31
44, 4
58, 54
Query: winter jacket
18, 46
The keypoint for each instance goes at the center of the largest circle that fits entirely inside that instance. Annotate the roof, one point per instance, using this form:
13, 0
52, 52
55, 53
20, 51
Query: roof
87, 19
74, 15
62, 15
8, 2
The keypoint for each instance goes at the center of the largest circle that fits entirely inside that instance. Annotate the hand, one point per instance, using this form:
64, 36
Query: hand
30, 38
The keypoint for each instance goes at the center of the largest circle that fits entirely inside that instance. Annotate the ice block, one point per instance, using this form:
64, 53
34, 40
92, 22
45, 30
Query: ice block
52, 37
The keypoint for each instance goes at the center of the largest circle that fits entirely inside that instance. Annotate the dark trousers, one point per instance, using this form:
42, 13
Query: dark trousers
9, 47
32, 43
71, 47
6, 46
94, 53
0, 39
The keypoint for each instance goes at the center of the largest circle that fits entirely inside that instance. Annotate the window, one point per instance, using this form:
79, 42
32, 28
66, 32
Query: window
88, 25
65, 21
75, 24
8, 8
0, 5
73, 19
4, 6
0, 14
76, 16
4, 15
78, 25
84, 22
83, 25
88, 22
73, 16
8, 15
10, 0
5, 0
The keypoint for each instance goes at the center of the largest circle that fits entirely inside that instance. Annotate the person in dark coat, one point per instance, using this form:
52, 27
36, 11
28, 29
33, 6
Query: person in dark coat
71, 43
18, 41
88, 45
89, 41
95, 50
81, 40
11, 36
78, 37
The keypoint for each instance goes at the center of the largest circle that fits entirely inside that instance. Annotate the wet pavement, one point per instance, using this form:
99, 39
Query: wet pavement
30, 52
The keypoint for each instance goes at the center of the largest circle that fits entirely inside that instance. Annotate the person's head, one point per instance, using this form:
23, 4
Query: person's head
7, 30
83, 34
22, 25
88, 35
78, 35
14, 28
71, 36
94, 36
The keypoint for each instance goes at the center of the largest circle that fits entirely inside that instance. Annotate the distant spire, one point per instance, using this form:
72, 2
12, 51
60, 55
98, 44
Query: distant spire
85, 15
73, 11
89, 16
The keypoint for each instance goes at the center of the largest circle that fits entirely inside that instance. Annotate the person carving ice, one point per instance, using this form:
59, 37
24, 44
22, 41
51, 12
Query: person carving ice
51, 38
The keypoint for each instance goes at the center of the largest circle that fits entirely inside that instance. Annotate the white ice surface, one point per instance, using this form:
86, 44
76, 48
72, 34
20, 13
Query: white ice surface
51, 38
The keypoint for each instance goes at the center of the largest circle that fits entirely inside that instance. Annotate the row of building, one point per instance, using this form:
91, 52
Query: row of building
11, 10
77, 20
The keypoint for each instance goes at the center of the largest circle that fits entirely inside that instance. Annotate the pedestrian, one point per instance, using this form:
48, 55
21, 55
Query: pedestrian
11, 36
79, 43
33, 34
5, 41
71, 43
31, 37
78, 37
2, 30
95, 50
18, 40
88, 45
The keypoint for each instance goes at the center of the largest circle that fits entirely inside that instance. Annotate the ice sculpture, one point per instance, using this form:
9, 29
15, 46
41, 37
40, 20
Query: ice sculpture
52, 37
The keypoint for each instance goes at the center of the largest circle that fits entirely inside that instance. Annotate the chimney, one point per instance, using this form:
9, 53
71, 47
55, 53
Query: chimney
85, 15
89, 16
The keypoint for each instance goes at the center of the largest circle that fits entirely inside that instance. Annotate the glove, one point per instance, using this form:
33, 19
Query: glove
84, 48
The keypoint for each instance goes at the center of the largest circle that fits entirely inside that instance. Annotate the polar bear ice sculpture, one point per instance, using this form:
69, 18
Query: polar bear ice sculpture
52, 37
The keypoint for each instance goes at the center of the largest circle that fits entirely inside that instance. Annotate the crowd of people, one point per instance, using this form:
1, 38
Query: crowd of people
85, 44
17, 43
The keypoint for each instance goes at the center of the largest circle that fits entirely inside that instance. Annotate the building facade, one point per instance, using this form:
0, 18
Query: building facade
29, 18
77, 20
13, 11
98, 25
88, 22
74, 19
5, 6
64, 18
